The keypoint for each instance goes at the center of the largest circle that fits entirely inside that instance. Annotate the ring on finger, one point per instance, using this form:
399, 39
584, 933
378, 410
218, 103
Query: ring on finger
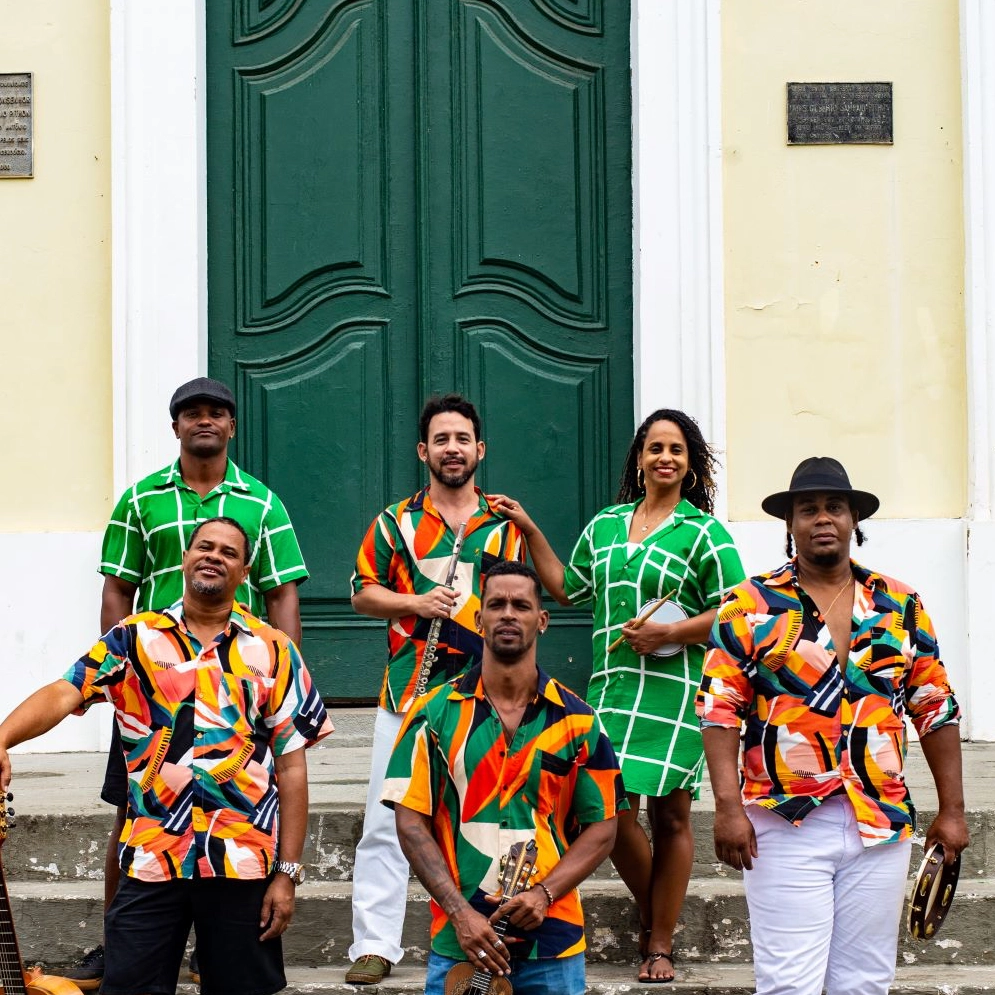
481, 954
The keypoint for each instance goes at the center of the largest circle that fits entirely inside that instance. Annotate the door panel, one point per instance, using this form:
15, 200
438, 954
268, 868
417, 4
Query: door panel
415, 197
529, 160
530, 309
311, 232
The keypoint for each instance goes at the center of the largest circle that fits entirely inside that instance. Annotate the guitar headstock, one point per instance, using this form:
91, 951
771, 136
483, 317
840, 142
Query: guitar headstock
518, 867
6, 816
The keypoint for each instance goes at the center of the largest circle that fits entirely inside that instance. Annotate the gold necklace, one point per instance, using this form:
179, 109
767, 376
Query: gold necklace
846, 584
646, 527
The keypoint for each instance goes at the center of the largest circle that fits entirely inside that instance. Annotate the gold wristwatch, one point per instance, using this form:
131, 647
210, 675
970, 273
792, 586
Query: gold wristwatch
294, 871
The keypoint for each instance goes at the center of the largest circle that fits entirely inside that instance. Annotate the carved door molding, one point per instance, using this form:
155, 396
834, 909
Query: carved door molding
409, 197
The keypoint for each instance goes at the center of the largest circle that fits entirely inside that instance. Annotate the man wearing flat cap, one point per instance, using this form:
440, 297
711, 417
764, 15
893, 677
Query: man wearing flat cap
142, 559
821, 661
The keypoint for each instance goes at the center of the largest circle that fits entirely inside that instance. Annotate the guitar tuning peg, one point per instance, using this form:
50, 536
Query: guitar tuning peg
11, 812
12, 825
10, 796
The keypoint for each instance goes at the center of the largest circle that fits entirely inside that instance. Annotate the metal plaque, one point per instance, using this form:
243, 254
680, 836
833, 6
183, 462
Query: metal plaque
16, 106
839, 114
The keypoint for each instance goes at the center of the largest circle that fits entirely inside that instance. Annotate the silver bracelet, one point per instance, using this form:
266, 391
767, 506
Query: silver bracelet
549, 894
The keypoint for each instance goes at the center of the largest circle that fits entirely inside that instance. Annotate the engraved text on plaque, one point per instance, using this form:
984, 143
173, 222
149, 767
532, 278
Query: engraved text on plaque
15, 125
839, 114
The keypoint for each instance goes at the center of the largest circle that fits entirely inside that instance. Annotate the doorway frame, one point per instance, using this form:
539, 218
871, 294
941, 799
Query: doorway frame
159, 258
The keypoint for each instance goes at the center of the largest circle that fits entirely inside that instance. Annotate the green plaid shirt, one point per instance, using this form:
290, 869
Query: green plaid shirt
151, 524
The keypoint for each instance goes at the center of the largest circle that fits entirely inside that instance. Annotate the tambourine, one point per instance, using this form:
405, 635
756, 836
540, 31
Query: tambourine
933, 894
671, 611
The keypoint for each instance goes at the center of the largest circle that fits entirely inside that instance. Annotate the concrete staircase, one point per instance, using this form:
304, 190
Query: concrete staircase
54, 865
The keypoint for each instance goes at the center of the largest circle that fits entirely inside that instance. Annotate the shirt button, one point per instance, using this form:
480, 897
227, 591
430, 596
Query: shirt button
504, 825
196, 777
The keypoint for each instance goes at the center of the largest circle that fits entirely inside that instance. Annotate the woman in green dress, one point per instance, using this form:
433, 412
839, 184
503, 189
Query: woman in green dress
659, 539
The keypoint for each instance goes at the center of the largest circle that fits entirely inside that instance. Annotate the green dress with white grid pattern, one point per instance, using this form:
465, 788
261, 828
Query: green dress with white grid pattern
646, 703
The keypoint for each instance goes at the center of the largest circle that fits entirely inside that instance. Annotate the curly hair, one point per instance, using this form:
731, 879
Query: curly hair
697, 486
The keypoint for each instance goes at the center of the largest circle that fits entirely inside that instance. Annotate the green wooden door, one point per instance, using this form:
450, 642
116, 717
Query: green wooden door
407, 196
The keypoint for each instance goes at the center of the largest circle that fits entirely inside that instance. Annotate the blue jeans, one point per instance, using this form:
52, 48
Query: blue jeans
562, 976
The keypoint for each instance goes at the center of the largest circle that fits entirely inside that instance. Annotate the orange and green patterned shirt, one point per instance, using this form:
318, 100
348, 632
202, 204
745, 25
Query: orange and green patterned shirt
817, 726
407, 550
452, 763
201, 726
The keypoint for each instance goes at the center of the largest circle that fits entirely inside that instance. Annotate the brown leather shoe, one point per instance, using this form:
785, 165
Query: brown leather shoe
370, 969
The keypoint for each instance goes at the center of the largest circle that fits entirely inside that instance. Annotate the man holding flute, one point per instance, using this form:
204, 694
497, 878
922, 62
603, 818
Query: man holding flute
401, 574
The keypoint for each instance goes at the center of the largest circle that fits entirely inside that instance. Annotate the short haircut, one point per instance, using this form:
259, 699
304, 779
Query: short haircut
224, 520
511, 568
437, 405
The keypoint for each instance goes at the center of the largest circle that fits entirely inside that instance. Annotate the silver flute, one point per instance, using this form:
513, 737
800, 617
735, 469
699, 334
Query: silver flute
432, 643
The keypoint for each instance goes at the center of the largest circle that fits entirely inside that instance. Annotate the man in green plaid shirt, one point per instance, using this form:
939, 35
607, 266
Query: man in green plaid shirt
142, 559
147, 533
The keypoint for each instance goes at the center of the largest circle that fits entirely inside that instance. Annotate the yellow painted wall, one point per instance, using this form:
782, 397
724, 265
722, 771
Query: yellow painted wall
55, 281
844, 264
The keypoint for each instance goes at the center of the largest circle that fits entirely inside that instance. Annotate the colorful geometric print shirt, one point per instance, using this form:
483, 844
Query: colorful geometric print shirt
201, 726
814, 727
151, 525
407, 549
452, 763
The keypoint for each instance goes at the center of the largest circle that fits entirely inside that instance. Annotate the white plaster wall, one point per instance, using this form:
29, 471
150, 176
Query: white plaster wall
49, 618
980, 585
159, 329
978, 89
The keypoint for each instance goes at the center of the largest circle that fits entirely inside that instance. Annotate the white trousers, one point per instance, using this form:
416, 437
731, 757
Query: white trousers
380, 876
824, 910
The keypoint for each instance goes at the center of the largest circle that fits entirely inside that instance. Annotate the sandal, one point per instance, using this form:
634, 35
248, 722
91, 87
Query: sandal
652, 959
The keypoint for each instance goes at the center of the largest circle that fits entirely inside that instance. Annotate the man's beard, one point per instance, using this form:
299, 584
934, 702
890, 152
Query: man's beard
827, 559
511, 654
208, 589
456, 477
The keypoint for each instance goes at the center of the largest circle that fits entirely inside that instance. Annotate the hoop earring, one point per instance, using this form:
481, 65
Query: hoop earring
640, 479
695, 484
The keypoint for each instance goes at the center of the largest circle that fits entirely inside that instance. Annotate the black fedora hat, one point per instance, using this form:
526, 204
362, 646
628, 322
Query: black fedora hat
820, 473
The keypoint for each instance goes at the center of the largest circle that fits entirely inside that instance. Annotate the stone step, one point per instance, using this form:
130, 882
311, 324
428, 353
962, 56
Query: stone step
602, 979
50, 847
56, 921
54, 861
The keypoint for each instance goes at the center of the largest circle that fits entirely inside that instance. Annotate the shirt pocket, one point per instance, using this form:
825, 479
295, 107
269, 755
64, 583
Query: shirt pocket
251, 690
551, 775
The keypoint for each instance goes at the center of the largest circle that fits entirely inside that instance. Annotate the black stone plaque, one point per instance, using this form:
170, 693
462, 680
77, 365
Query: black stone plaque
839, 114
16, 157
